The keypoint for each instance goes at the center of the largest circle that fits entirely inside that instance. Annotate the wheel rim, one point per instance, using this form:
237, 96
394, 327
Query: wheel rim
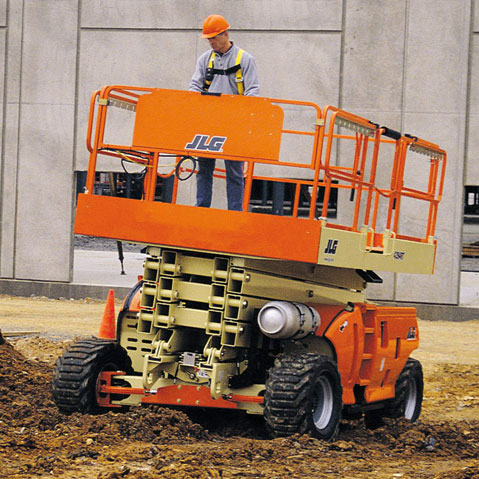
110, 366
324, 403
411, 400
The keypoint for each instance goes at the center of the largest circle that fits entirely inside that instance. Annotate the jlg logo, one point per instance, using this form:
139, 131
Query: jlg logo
206, 143
331, 247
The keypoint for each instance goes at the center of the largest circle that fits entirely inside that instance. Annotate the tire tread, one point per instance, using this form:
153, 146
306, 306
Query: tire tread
75, 374
288, 397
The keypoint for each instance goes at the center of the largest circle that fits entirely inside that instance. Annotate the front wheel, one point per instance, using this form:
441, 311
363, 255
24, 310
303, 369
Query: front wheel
75, 377
303, 395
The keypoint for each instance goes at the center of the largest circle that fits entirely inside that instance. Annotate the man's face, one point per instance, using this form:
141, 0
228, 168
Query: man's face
220, 43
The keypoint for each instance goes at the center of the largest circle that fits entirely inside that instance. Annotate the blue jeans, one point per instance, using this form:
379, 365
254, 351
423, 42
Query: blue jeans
234, 183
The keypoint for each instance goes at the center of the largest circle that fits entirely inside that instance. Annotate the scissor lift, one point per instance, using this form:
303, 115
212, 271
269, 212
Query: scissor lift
254, 311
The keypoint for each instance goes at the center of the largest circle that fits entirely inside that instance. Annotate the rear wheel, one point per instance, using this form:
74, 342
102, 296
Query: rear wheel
303, 395
75, 377
407, 401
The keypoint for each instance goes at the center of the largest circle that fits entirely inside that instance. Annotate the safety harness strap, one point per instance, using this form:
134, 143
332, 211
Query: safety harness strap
228, 71
239, 73
211, 72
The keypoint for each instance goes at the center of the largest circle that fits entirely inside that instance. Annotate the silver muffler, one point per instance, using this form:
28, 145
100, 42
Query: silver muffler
288, 320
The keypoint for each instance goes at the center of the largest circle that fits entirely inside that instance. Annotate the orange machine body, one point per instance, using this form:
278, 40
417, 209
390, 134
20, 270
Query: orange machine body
370, 343
198, 228
251, 128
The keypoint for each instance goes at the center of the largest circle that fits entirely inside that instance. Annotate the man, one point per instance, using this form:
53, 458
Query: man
228, 69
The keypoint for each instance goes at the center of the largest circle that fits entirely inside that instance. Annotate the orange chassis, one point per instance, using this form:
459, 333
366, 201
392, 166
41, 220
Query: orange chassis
371, 345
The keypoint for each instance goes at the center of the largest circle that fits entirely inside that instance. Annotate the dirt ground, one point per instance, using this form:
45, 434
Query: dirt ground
36, 441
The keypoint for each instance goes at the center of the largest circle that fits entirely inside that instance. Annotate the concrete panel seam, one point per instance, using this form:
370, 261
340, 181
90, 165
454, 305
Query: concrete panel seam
4, 121
20, 80
458, 218
466, 122
468, 92
341, 55
198, 31
404, 63
75, 134
403, 103
17, 104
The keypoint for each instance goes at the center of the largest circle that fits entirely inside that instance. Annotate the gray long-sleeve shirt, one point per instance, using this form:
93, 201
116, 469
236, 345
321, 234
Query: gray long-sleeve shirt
227, 83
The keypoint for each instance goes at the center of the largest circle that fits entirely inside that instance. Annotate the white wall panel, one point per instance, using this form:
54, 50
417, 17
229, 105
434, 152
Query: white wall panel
45, 192
373, 55
437, 50
372, 86
187, 14
442, 287
3, 13
45, 154
296, 66
48, 74
160, 59
435, 106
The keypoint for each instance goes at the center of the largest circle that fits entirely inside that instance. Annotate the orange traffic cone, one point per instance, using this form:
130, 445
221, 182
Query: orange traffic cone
108, 322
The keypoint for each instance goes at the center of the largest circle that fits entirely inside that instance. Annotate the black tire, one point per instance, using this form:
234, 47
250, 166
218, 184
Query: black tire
303, 395
74, 385
407, 401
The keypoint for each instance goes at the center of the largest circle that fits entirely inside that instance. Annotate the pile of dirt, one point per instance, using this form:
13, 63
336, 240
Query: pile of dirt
37, 348
462, 473
151, 443
451, 391
32, 426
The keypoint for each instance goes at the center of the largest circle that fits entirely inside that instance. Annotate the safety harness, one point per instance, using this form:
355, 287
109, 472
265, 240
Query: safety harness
211, 71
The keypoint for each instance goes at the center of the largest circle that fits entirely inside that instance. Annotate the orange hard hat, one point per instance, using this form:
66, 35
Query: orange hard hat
214, 25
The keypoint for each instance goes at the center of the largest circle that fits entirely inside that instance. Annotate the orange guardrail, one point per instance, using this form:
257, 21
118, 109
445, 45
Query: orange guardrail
168, 122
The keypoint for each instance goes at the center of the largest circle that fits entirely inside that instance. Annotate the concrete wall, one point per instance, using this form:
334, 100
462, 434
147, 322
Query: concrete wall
409, 64
38, 130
